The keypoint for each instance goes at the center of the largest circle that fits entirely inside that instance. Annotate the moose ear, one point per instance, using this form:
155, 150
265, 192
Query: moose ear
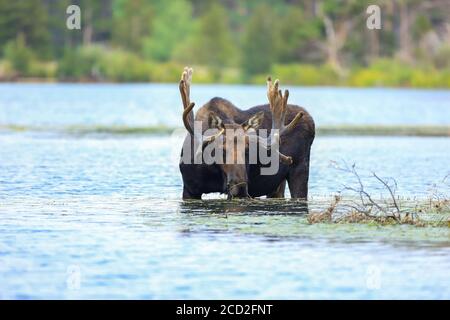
254, 122
214, 121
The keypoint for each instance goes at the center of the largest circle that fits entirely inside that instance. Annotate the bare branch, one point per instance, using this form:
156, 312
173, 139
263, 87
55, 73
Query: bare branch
389, 189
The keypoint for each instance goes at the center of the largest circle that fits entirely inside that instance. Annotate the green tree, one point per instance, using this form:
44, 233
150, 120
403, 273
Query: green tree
19, 55
132, 22
171, 25
28, 18
211, 43
259, 43
298, 36
61, 37
96, 20
340, 20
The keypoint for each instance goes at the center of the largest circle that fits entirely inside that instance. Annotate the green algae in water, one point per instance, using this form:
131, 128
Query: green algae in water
288, 219
324, 130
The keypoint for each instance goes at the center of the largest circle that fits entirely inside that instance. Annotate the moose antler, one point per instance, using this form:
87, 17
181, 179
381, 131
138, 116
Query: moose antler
283, 158
185, 89
278, 107
188, 116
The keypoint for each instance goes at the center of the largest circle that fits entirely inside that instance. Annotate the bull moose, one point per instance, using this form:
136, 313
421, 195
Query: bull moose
241, 179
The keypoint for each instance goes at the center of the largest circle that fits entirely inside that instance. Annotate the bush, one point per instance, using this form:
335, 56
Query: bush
392, 73
6, 70
100, 63
167, 72
19, 55
78, 63
122, 66
442, 58
395, 73
231, 75
301, 74
367, 78
45, 70
445, 79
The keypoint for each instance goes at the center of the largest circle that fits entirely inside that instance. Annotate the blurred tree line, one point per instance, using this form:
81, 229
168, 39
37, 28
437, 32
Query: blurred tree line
301, 41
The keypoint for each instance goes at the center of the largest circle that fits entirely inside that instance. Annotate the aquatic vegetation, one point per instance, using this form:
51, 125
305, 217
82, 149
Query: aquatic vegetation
277, 219
324, 130
364, 207
325, 216
419, 214
385, 130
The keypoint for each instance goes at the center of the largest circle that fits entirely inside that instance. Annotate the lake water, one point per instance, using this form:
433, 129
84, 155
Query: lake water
100, 215
142, 104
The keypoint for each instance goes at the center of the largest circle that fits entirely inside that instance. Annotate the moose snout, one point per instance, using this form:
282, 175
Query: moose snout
238, 189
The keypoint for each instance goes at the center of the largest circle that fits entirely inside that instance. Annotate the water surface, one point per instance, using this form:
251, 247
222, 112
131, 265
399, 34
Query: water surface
160, 104
100, 215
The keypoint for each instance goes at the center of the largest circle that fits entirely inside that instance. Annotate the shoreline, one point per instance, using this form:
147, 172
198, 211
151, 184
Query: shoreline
37, 80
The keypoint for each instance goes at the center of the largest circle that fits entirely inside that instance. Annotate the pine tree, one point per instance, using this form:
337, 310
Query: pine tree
28, 18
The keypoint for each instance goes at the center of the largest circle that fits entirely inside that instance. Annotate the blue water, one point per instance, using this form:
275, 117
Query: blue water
145, 104
100, 216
